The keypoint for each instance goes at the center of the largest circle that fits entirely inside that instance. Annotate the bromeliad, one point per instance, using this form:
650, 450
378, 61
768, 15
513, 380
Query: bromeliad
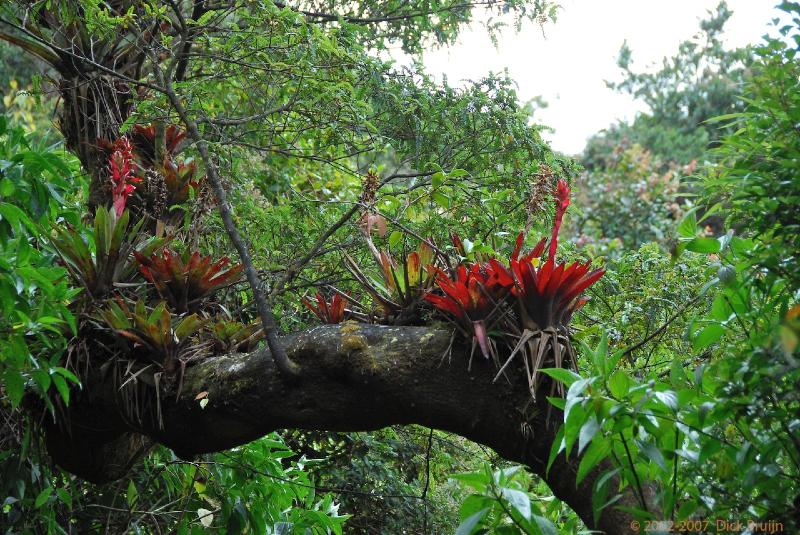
122, 177
402, 284
332, 312
532, 299
547, 297
184, 280
473, 297
549, 294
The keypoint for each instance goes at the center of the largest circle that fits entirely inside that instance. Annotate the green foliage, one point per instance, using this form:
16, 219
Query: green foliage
500, 503
711, 425
629, 201
757, 177
416, 26
34, 293
687, 389
256, 488
392, 480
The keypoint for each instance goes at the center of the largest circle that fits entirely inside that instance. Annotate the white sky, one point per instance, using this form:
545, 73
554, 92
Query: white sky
569, 64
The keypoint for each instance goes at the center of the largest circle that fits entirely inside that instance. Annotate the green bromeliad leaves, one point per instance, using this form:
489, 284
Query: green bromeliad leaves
103, 258
154, 336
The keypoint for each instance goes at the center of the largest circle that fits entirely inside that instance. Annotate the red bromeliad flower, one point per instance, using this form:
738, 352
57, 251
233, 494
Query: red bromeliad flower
121, 163
327, 313
562, 202
546, 294
550, 294
473, 296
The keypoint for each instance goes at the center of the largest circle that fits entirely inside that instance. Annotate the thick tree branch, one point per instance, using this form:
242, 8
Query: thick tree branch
353, 377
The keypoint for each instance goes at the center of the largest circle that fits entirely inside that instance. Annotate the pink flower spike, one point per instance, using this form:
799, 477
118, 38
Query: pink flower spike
562, 202
121, 164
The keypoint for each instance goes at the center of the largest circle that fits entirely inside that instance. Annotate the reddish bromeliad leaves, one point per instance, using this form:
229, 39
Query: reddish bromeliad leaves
144, 141
473, 297
549, 294
332, 312
183, 280
402, 284
545, 294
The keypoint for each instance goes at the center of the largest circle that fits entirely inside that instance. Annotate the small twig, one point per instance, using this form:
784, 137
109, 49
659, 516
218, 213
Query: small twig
658, 331
633, 469
282, 362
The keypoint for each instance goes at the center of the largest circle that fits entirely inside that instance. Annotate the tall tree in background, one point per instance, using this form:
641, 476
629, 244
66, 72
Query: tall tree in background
702, 80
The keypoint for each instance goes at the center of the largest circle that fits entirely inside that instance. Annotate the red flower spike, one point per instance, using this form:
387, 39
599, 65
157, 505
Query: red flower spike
327, 313
121, 165
549, 295
562, 202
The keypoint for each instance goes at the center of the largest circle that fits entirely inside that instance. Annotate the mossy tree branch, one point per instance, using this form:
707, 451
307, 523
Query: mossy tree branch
352, 377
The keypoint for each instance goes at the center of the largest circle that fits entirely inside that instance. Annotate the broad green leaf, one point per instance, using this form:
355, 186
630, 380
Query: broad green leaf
556, 447
652, 452
562, 375
668, 398
469, 524
61, 386
64, 496
545, 526
588, 430
598, 450
703, 245
707, 336
132, 495
394, 238
519, 500
441, 199
618, 384
42, 497
14, 385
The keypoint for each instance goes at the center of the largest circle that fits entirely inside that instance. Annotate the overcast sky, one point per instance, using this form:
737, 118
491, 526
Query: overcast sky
567, 65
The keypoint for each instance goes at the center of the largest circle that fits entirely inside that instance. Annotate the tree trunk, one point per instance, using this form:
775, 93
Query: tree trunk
354, 377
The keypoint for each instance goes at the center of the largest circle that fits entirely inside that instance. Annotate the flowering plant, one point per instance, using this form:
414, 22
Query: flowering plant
185, 279
332, 312
532, 300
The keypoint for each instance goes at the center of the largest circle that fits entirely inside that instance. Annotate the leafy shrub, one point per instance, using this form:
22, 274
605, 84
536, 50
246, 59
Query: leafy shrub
34, 318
